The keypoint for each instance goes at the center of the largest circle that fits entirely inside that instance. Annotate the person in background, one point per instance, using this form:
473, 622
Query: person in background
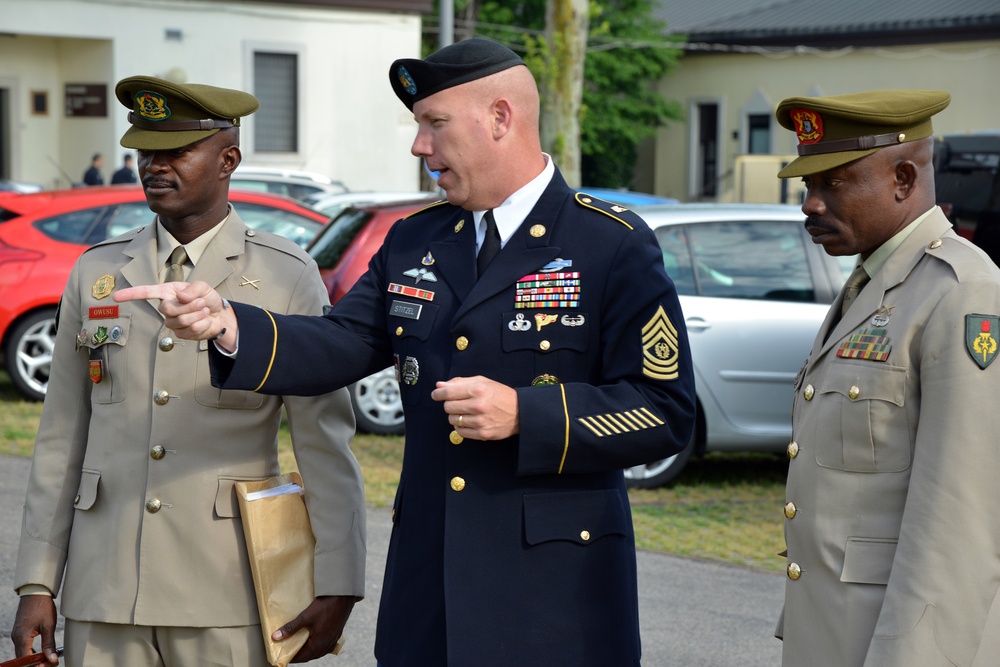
126, 174
540, 348
891, 525
93, 174
130, 515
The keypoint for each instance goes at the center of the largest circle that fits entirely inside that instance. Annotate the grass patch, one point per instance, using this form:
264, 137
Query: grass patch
723, 507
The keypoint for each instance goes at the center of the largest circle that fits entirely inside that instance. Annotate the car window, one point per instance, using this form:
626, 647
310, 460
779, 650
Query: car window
332, 243
72, 227
677, 258
751, 260
292, 226
124, 218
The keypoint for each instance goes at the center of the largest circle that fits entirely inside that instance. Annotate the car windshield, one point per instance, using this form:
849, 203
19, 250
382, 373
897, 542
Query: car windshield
292, 226
331, 244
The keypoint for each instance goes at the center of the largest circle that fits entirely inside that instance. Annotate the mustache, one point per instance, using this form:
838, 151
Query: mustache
152, 181
817, 222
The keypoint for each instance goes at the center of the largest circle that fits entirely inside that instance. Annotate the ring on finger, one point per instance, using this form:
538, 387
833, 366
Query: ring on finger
460, 420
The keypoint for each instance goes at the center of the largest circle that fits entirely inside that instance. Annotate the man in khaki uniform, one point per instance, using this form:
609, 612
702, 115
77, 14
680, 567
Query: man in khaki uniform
891, 505
131, 490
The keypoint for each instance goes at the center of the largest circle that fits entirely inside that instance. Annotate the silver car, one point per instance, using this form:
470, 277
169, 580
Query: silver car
754, 290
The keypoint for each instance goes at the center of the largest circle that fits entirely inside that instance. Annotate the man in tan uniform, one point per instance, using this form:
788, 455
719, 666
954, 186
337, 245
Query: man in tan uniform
130, 512
891, 504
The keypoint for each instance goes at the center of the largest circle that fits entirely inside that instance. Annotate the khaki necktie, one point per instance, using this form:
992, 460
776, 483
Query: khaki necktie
855, 283
491, 243
175, 265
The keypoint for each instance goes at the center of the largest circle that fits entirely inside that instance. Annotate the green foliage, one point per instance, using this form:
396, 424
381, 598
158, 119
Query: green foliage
627, 55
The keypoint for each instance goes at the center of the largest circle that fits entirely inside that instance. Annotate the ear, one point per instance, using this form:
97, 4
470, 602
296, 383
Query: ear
503, 117
231, 158
906, 177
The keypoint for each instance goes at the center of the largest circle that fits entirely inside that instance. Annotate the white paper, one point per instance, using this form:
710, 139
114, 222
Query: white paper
291, 487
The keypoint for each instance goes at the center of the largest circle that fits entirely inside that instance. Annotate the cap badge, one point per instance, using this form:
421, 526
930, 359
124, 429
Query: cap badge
406, 81
151, 106
808, 125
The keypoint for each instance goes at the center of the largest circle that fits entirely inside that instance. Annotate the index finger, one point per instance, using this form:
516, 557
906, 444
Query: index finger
143, 292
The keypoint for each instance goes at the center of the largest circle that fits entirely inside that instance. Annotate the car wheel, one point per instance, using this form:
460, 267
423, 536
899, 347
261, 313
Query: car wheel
28, 354
659, 473
377, 405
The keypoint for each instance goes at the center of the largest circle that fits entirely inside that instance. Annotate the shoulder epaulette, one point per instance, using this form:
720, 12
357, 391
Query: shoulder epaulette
610, 209
124, 237
426, 208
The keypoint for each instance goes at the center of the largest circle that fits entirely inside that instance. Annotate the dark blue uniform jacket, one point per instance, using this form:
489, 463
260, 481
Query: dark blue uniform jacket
517, 552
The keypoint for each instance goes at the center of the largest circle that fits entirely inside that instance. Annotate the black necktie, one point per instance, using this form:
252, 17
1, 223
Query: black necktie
491, 243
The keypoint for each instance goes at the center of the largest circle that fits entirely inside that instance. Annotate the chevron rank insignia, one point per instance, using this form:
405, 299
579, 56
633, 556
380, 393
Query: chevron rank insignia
981, 337
660, 347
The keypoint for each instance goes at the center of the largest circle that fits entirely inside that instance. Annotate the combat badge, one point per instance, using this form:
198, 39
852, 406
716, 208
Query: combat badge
660, 347
980, 340
544, 379
104, 286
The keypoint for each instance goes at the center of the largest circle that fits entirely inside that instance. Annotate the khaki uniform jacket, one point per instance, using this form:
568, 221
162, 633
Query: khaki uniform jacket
154, 430
892, 528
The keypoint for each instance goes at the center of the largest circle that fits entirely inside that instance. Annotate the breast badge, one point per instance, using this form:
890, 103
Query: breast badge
560, 289
660, 347
544, 319
866, 344
980, 337
104, 286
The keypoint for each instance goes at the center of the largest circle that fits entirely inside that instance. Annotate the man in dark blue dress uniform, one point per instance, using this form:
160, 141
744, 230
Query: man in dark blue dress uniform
528, 381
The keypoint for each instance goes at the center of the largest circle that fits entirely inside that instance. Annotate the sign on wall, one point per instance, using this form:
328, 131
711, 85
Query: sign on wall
88, 100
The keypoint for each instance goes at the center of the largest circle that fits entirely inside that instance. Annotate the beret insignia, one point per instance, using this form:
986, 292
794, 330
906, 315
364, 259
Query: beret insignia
405, 80
151, 106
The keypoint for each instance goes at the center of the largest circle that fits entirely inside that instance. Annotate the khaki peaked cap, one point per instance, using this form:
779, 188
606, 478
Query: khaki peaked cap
166, 115
838, 129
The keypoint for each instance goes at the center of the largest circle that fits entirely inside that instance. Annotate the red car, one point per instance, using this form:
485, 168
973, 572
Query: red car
42, 234
342, 251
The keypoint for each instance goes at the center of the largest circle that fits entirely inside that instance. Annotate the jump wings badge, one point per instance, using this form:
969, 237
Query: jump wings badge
980, 337
660, 347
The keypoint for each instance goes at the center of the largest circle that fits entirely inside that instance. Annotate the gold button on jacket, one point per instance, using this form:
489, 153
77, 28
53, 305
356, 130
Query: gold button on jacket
457, 483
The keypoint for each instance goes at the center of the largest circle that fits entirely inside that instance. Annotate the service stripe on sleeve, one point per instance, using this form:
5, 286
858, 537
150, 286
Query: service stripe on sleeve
562, 462
274, 351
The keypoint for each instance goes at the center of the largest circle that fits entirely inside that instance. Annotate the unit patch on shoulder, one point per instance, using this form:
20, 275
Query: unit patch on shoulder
980, 337
660, 347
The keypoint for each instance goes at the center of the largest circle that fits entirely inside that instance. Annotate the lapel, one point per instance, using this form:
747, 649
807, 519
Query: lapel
894, 272
455, 254
213, 267
524, 253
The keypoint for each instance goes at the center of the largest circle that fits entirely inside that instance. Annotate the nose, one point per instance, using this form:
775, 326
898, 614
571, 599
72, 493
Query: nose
813, 203
421, 146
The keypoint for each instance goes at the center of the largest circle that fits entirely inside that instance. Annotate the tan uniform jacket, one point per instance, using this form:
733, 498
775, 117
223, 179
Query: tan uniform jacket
896, 482
107, 452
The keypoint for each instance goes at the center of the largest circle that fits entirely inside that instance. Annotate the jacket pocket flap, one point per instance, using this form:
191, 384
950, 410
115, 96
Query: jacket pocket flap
226, 504
578, 516
868, 561
86, 493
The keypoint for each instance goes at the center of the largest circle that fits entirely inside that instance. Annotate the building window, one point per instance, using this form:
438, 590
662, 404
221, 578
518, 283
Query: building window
759, 134
708, 132
276, 123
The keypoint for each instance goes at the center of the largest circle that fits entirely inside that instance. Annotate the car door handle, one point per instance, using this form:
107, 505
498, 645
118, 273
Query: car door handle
697, 324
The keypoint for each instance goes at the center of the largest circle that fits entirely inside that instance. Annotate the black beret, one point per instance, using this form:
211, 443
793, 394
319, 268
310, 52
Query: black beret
166, 115
458, 63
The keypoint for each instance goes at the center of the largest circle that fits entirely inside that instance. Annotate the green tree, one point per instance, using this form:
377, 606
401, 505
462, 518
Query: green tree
627, 55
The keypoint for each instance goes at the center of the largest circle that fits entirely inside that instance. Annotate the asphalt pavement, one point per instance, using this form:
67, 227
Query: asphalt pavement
693, 613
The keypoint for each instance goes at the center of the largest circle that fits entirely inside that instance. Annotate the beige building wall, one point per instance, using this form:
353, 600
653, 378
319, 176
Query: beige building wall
351, 126
741, 81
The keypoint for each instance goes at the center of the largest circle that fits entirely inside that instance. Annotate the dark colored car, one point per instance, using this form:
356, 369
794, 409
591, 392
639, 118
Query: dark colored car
343, 251
42, 234
967, 181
